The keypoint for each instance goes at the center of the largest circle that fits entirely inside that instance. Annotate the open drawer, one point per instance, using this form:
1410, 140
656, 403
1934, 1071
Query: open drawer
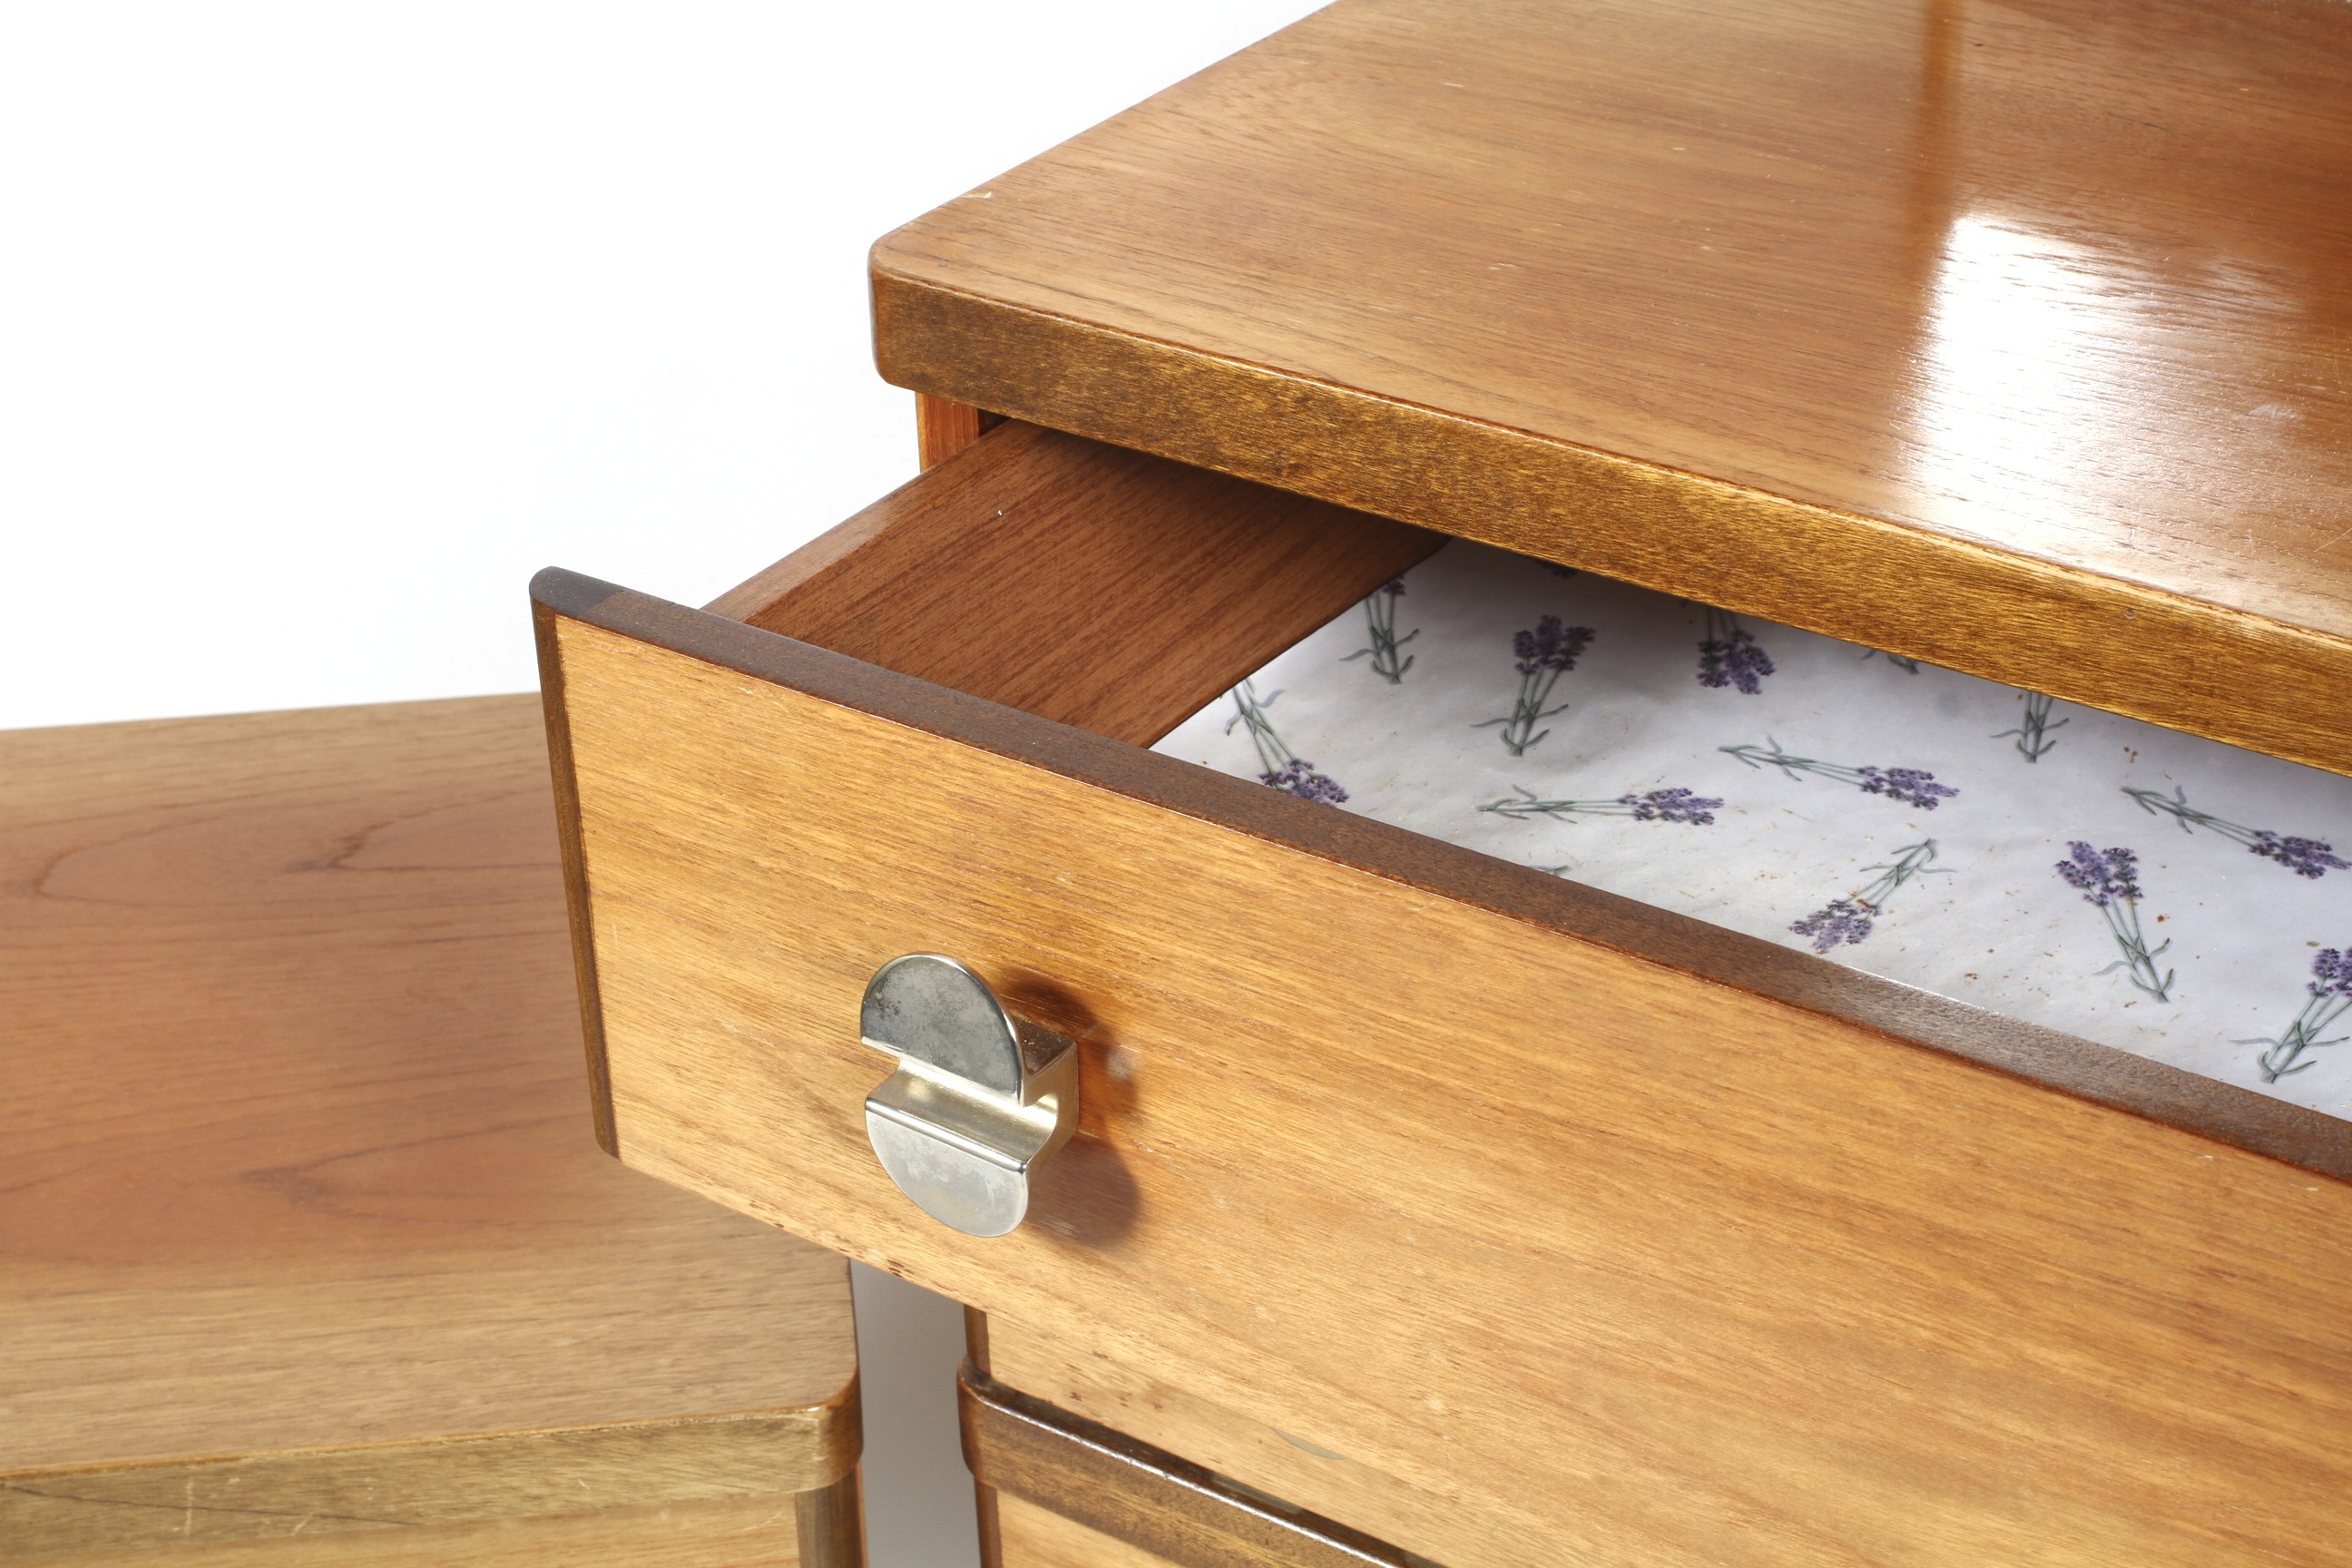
1371, 1145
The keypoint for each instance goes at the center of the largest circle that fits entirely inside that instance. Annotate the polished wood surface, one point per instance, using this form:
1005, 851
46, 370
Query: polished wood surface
301, 1221
1244, 1448
1418, 1181
2015, 336
1148, 1501
1087, 583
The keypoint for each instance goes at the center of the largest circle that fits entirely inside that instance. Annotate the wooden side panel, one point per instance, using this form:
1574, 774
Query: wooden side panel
1440, 1188
1077, 582
1169, 1508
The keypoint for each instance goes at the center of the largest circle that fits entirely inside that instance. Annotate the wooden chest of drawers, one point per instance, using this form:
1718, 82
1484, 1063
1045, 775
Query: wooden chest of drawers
1996, 337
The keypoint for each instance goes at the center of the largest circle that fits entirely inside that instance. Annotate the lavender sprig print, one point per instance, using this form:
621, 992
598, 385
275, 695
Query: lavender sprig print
2109, 878
2309, 857
1278, 765
1912, 786
1851, 919
1729, 656
2327, 997
1652, 806
1545, 653
1379, 618
2033, 731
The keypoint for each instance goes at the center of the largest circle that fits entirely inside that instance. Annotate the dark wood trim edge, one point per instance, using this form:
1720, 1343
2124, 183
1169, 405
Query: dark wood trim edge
575, 872
2100, 1074
1130, 1491
992, 1533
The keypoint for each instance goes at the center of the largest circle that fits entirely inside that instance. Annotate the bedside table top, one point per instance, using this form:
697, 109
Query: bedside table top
2017, 337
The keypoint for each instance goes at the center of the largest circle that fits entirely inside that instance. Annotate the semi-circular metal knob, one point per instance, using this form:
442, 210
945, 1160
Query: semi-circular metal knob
981, 1098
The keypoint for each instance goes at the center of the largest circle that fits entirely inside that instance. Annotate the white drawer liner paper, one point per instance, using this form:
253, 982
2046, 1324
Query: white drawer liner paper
2147, 890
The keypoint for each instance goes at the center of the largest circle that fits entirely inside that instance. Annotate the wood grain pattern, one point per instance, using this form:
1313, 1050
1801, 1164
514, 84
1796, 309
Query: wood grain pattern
1035, 1537
300, 1222
1166, 585
1167, 1508
2008, 334
1246, 1450
749, 1532
1416, 1180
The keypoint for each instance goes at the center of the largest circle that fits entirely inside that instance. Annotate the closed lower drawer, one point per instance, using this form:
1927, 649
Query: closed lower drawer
1372, 1145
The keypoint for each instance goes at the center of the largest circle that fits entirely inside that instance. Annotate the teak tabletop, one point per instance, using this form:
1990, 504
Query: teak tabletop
302, 1221
2014, 336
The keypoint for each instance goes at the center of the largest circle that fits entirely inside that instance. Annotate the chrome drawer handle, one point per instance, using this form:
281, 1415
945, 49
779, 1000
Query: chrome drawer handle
980, 1099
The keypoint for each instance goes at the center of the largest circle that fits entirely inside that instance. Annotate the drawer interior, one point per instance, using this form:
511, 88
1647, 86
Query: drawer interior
1805, 817
2154, 891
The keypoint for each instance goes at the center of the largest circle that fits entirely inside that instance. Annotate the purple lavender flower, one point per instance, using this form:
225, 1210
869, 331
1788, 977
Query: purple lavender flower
1671, 806
1912, 786
2329, 993
2311, 858
1850, 921
1839, 921
1379, 621
1278, 765
2109, 881
1656, 805
1909, 786
2331, 973
1730, 656
1544, 653
1552, 647
2305, 856
2101, 875
1299, 777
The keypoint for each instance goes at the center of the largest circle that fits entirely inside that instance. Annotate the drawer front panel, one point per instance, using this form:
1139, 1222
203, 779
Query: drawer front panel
1694, 1275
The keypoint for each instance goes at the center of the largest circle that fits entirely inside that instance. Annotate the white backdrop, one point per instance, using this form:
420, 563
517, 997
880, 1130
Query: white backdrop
323, 326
